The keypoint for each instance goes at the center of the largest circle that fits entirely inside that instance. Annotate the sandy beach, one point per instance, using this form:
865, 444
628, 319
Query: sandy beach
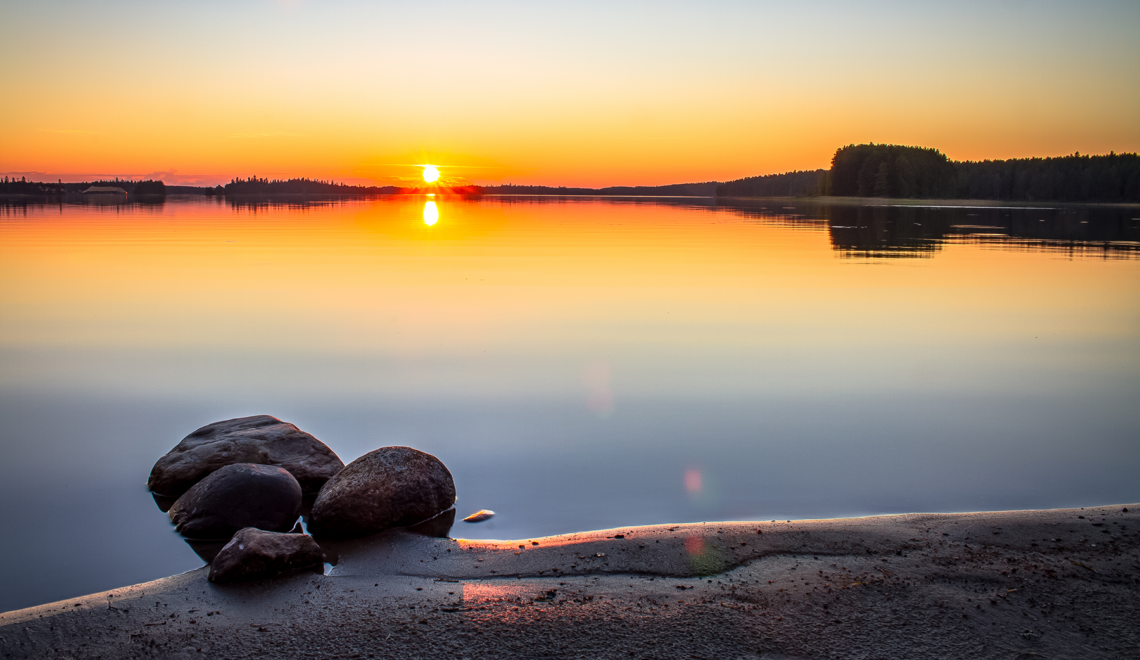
1020, 584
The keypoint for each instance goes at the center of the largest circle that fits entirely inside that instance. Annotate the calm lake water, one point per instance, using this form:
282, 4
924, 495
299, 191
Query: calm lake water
576, 363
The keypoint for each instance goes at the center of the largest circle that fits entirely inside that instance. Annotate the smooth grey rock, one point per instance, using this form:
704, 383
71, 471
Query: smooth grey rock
388, 487
259, 439
236, 496
254, 553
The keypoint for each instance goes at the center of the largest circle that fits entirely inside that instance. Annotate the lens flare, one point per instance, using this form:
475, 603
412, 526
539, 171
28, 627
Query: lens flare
693, 481
431, 174
599, 393
431, 214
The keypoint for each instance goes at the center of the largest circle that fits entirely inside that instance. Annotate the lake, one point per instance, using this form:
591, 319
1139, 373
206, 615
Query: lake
577, 363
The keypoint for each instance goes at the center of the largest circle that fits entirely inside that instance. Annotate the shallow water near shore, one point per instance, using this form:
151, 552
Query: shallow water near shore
577, 363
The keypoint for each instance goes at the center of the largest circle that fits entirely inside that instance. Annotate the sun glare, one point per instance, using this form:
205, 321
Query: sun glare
431, 213
431, 173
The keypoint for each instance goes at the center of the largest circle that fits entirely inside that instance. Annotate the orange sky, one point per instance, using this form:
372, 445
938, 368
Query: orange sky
511, 92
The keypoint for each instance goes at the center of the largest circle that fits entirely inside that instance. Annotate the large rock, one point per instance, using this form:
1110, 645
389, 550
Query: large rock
254, 553
236, 496
388, 487
259, 439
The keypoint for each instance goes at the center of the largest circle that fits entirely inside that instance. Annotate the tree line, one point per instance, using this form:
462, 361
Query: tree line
143, 188
1075, 178
254, 186
790, 184
21, 186
889, 170
707, 189
148, 188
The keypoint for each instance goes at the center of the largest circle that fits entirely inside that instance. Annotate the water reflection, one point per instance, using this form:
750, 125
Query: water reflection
855, 231
884, 232
100, 202
431, 213
577, 363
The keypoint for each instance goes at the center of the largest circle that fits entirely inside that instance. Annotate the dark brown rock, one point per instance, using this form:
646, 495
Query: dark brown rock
259, 439
438, 527
388, 487
254, 554
236, 496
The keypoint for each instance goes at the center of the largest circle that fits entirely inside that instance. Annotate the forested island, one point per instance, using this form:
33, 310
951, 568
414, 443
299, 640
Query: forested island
707, 189
894, 171
254, 186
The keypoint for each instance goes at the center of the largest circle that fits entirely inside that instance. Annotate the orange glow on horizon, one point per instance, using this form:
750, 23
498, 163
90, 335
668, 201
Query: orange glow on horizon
621, 112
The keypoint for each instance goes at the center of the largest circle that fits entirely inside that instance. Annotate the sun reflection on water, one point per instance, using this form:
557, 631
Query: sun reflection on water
431, 214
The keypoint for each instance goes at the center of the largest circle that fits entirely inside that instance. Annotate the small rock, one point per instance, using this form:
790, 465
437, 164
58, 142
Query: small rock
479, 516
237, 496
254, 554
388, 487
260, 439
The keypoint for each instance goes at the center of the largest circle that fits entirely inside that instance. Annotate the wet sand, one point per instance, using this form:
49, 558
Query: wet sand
1021, 584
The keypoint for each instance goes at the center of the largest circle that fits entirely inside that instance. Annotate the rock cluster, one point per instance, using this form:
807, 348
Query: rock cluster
246, 478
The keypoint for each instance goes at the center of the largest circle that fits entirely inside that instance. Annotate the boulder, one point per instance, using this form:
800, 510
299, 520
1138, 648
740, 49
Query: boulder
236, 496
260, 439
207, 549
388, 487
254, 554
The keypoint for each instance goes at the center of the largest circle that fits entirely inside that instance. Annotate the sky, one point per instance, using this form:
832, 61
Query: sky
577, 94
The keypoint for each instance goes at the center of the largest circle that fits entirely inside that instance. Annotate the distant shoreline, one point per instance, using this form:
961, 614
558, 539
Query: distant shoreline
726, 200
866, 174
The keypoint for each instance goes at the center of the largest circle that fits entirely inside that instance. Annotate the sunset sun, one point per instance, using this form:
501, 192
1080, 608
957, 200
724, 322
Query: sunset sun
431, 173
